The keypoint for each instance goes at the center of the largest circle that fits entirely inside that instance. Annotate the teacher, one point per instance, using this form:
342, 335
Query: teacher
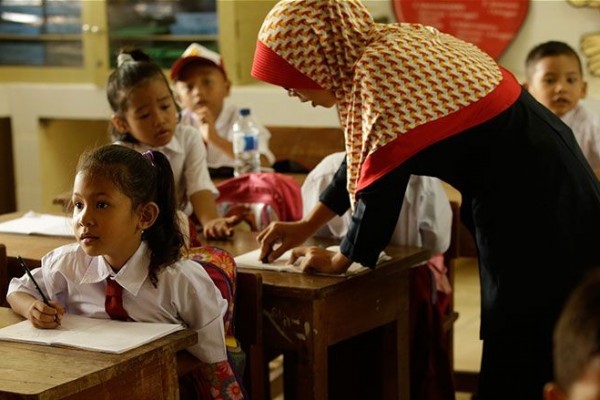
413, 100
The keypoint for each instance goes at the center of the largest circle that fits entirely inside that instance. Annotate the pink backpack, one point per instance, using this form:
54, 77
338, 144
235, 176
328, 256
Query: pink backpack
261, 198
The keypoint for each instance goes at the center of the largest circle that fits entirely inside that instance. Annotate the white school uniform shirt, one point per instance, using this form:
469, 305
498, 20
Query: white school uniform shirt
586, 128
187, 154
424, 221
223, 124
185, 294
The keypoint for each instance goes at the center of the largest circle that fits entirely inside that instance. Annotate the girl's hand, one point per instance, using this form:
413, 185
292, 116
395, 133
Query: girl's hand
220, 228
43, 316
317, 259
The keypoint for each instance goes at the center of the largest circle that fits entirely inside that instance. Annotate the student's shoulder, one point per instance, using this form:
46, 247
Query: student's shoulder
185, 272
63, 255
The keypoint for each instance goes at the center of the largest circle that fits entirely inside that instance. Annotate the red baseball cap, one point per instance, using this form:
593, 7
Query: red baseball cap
196, 53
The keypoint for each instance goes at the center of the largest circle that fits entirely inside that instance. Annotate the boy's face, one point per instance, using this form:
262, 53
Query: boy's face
202, 86
556, 82
587, 387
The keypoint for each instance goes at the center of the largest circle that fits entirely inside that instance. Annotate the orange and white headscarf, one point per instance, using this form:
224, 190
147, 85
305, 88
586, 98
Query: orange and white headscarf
400, 87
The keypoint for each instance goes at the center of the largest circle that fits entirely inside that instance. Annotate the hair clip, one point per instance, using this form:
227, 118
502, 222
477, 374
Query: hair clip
149, 156
124, 58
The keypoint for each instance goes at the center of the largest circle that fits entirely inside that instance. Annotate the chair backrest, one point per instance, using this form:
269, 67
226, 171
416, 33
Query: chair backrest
249, 331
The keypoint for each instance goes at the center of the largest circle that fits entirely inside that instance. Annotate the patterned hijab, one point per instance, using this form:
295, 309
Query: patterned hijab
400, 87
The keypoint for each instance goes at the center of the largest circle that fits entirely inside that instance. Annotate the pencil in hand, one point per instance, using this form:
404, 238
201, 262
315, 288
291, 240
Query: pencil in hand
37, 287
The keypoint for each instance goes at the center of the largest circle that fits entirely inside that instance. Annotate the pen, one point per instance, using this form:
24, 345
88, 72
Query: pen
44, 298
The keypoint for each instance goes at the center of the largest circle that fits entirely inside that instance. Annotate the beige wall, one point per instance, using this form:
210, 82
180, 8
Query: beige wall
44, 153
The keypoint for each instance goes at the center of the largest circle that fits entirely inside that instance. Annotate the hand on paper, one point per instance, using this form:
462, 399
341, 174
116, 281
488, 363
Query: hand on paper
279, 237
317, 259
44, 316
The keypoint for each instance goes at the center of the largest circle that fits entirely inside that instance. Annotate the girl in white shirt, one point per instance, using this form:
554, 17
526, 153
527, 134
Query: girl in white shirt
124, 220
145, 117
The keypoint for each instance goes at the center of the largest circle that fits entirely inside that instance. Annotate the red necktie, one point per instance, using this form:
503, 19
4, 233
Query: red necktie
114, 301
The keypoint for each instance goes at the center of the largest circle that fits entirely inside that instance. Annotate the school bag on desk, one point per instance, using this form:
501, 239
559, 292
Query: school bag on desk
261, 198
222, 269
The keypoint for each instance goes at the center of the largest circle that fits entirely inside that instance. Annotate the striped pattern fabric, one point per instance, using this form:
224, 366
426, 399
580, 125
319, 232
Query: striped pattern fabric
388, 78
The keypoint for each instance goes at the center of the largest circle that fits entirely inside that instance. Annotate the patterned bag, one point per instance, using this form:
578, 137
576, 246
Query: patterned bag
221, 267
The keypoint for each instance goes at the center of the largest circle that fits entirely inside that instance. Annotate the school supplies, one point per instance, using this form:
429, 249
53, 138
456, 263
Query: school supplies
32, 223
103, 335
37, 287
282, 264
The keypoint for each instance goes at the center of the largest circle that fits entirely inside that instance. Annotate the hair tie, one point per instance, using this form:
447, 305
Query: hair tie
124, 58
149, 156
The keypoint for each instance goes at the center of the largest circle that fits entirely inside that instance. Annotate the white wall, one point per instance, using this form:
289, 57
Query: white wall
27, 103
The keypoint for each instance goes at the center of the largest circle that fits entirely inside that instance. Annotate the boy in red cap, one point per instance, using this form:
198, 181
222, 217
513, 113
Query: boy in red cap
201, 86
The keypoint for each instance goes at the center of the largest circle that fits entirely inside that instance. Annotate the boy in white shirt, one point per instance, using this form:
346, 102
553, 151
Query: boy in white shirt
201, 86
555, 79
425, 220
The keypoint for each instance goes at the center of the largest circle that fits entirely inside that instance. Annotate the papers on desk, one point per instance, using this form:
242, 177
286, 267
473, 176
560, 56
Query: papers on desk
282, 264
103, 335
32, 223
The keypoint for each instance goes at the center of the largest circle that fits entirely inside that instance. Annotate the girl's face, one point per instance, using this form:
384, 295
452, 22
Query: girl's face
151, 115
103, 221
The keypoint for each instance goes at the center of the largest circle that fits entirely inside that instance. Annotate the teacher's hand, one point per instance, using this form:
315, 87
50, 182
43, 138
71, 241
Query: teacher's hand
317, 259
279, 237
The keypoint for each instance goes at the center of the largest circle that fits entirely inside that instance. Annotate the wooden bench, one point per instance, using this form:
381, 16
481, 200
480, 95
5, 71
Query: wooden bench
305, 145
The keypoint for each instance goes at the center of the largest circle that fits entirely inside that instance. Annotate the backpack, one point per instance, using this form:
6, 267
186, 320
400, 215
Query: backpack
261, 198
222, 269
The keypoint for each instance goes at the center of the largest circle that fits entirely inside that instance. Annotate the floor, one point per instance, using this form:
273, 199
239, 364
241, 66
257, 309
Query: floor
467, 346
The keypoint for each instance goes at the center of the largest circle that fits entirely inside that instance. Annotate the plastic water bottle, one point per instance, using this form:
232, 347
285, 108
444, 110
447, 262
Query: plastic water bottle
245, 144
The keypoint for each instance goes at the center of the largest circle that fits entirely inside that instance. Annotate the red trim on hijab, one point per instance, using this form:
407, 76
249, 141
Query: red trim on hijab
270, 67
393, 154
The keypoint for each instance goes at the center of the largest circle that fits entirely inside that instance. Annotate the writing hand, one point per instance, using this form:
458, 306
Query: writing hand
45, 316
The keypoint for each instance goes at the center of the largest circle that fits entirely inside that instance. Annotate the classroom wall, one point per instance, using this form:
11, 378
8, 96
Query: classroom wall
28, 104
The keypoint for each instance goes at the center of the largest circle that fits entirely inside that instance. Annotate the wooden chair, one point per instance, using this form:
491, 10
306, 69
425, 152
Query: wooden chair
248, 330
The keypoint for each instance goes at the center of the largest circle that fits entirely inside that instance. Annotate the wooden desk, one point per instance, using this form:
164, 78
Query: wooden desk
32, 371
306, 314
30, 247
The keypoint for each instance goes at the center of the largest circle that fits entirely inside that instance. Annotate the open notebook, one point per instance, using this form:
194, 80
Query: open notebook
104, 335
250, 260
32, 223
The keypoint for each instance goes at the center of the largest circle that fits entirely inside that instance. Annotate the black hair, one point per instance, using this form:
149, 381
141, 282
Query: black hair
144, 179
550, 49
577, 333
134, 68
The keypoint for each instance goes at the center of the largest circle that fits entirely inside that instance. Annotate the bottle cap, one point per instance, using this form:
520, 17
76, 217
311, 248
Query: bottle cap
244, 112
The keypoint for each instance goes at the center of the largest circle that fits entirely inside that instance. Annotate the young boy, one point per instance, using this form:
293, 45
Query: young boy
201, 86
555, 79
577, 345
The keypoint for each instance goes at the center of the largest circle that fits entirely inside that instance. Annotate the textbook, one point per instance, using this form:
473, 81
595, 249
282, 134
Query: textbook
103, 335
282, 264
32, 223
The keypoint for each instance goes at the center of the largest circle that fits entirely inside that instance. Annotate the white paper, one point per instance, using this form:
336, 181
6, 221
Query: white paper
104, 335
32, 223
282, 264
